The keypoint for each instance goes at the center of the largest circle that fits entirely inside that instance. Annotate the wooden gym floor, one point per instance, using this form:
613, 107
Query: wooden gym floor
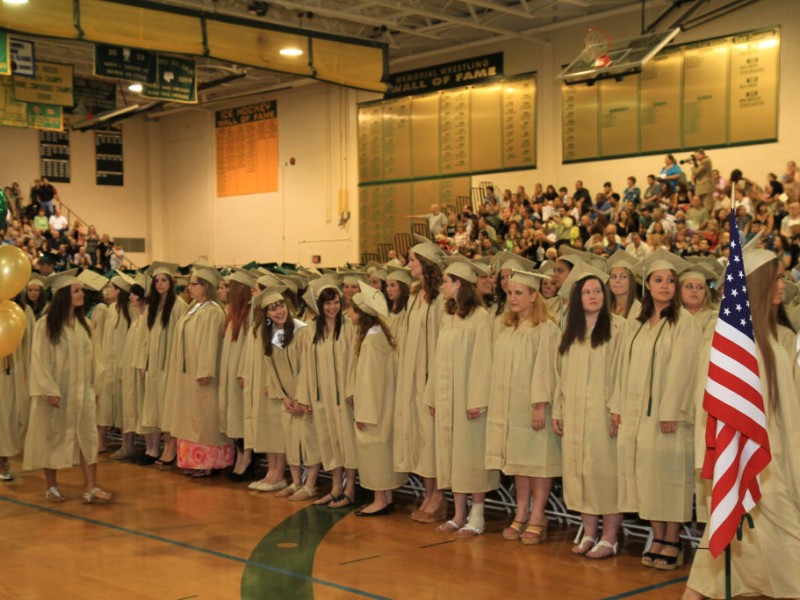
168, 537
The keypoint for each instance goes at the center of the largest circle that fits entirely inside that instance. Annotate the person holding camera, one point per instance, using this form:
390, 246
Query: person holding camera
701, 177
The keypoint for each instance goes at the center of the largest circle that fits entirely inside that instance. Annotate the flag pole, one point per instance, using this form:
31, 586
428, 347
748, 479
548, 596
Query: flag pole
728, 572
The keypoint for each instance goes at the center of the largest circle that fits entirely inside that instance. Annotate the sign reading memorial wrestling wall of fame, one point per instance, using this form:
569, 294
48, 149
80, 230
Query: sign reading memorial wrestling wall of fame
247, 149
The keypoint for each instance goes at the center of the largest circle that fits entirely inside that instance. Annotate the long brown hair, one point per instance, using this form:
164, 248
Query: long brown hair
575, 329
760, 286
670, 312
630, 298
327, 295
432, 278
124, 305
58, 314
466, 301
399, 305
154, 299
367, 322
238, 308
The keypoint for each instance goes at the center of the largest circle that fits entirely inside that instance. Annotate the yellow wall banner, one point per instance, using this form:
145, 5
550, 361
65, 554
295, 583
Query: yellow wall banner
247, 149
12, 112
52, 84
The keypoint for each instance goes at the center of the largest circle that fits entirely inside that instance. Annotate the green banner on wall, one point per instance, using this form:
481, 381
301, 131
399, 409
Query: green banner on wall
176, 81
125, 63
44, 116
5, 63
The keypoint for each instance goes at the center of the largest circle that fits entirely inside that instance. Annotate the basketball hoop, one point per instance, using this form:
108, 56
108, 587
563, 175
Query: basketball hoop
597, 44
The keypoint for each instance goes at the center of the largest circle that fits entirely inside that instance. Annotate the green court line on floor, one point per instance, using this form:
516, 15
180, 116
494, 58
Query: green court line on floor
308, 580
648, 588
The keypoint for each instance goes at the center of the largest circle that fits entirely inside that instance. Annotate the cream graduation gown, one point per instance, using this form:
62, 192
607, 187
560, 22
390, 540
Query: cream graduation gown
154, 361
765, 561
460, 380
585, 387
524, 374
56, 437
14, 396
373, 395
109, 394
283, 369
195, 355
231, 394
322, 387
658, 365
414, 446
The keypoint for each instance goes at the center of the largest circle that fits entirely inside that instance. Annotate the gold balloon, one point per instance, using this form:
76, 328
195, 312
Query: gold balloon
12, 327
15, 271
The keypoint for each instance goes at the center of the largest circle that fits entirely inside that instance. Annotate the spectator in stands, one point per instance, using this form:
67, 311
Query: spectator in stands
103, 252
436, 220
652, 192
46, 195
58, 222
82, 258
632, 193
612, 241
581, 197
601, 207
35, 196
697, 215
489, 194
670, 172
764, 219
637, 247
703, 179
40, 222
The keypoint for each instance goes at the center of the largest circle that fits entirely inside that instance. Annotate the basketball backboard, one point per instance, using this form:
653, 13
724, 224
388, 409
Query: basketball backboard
622, 57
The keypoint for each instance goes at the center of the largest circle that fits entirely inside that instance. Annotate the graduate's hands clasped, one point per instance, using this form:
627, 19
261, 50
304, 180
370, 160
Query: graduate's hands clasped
294, 407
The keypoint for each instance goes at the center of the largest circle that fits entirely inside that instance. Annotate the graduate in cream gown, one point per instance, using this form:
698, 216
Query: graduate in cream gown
506, 262
586, 366
413, 438
373, 391
458, 396
98, 315
263, 430
62, 429
622, 285
14, 396
398, 286
695, 295
109, 393
164, 310
764, 562
194, 378
322, 389
654, 413
238, 312
285, 341
130, 377
519, 439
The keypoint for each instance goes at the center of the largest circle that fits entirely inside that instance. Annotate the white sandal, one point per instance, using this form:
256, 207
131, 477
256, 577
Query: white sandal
581, 548
97, 496
53, 495
468, 531
600, 546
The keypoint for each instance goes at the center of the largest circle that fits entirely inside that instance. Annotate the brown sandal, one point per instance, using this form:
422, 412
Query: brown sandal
534, 534
513, 532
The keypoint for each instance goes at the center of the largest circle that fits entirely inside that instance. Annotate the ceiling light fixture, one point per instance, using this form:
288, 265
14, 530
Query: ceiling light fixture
136, 87
291, 52
15, 1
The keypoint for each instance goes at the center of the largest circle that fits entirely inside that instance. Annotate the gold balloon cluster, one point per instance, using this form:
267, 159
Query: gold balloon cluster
15, 271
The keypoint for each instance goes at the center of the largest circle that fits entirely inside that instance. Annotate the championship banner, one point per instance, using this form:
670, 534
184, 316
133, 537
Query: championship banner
92, 97
479, 69
12, 112
125, 63
23, 60
176, 82
45, 116
52, 84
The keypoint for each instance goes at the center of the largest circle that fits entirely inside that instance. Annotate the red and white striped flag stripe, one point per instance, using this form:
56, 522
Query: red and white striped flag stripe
737, 443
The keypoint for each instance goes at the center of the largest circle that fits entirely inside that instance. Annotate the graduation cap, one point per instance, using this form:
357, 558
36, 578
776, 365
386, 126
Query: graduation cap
621, 258
269, 296
269, 280
398, 274
251, 266
427, 249
461, 267
56, 281
662, 260
580, 271
162, 268
315, 288
514, 262
122, 281
208, 274
243, 276
371, 301
93, 281
527, 278
698, 271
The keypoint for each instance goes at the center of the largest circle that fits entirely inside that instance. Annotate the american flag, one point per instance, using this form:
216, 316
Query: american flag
737, 444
